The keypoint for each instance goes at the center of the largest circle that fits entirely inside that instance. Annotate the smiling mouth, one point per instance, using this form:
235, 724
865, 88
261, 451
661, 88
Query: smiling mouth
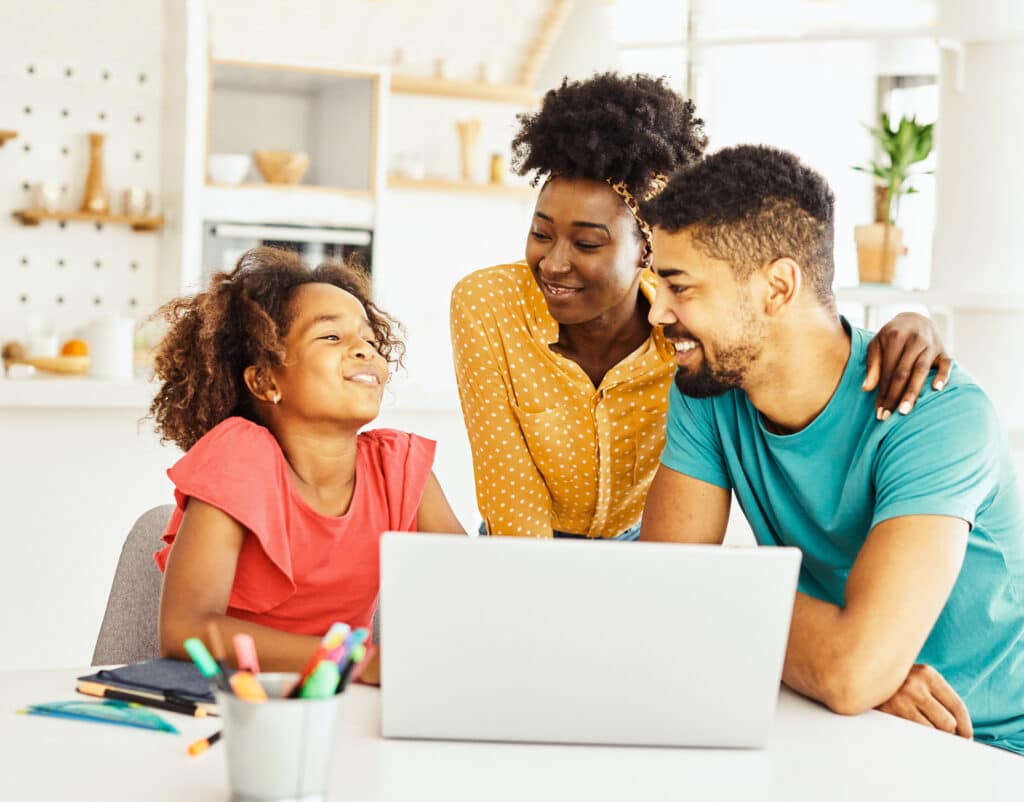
558, 290
370, 379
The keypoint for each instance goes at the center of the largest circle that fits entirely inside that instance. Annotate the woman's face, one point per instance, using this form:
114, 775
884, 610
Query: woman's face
333, 372
585, 250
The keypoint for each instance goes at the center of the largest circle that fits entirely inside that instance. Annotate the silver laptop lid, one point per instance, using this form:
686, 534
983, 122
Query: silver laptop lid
582, 642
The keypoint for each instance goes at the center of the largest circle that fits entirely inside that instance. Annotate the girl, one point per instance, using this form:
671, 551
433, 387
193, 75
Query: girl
268, 377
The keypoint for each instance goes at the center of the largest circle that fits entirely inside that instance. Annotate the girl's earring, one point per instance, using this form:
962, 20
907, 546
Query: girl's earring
276, 398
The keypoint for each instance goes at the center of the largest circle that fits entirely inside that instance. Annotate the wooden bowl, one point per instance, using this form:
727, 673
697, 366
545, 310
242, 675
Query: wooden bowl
281, 166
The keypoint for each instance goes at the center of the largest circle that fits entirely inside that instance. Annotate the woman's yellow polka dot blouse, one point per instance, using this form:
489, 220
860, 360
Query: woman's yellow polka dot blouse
549, 450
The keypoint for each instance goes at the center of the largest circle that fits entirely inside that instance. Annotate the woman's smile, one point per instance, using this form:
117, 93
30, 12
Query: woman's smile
557, 291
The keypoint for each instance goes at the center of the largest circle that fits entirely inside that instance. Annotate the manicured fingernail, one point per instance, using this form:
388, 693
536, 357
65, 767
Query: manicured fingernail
885, 414
939, 385
878, 414
905, 408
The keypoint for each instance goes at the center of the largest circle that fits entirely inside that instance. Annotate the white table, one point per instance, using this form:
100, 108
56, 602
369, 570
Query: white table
813, 755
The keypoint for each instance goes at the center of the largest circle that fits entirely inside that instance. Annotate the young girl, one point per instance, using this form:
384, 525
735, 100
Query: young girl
268, 377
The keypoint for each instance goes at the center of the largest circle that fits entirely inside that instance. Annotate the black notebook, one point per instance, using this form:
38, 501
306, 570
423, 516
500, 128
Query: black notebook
170, 679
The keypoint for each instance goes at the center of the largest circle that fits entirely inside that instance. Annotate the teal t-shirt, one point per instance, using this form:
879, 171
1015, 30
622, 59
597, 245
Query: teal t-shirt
824, 488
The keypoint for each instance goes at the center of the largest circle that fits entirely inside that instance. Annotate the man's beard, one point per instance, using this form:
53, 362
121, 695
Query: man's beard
729, 372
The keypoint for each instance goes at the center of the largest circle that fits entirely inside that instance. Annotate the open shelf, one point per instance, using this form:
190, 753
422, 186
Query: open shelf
443, 87
33, 217
443, 185
268, 187
885, 295
5, 135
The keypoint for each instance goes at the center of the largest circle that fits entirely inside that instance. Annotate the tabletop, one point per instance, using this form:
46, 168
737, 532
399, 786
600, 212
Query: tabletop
812, 755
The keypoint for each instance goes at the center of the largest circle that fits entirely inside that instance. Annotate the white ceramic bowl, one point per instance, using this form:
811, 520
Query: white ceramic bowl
228, 168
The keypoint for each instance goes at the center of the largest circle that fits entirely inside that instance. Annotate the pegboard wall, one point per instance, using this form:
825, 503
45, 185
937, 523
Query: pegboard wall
58, 276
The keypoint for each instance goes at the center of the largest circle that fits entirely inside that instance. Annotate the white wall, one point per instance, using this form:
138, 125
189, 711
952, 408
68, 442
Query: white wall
807, 98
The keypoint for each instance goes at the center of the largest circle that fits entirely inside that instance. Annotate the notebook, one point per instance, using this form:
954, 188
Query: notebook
162, 678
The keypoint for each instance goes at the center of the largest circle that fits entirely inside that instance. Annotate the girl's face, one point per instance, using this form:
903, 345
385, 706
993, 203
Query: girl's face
333, 372
584, 249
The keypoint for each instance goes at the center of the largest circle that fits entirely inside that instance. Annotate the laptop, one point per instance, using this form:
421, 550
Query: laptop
564, 641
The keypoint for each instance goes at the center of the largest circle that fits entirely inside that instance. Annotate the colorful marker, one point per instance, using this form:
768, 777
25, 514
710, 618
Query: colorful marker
247, 687
200, 746
245, 653
355, 658
322, 682
206, 664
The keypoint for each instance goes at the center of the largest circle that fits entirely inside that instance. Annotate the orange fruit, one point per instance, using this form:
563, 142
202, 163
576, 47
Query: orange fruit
75, 348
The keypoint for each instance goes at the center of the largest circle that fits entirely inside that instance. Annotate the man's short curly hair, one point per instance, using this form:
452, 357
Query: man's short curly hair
242, 319
753, 204
610, 127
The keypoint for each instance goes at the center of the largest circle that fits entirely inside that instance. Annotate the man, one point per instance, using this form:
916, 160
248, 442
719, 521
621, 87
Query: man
911, 593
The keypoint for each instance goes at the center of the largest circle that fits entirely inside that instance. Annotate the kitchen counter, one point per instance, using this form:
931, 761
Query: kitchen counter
43, 391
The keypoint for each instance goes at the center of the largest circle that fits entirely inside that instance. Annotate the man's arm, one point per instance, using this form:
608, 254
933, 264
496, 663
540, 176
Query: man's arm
682, 509
854, 658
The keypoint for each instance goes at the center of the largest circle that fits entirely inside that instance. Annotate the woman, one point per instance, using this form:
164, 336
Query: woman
563, 382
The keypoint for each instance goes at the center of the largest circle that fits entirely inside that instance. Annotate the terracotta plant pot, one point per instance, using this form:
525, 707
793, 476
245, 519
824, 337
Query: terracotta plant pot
878, 247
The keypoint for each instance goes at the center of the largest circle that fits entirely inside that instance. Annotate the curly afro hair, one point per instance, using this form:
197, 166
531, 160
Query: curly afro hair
611, 127
752, 204
242, 319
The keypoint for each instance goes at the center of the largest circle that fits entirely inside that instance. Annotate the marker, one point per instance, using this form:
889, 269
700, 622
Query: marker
334, 639
245, 653
356, 637
247, 687
217, 647
354, 659
206, 664
337, 647
335, 635
200, 746
322, 682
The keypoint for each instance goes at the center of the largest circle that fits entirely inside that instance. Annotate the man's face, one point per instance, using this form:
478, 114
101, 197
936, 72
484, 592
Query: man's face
708, 314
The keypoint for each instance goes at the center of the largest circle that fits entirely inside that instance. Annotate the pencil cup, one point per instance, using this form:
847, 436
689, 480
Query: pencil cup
280, 749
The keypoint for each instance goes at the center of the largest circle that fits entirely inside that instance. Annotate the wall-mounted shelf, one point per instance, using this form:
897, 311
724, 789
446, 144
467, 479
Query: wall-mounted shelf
874, 295
442, 185
267, 187
5, 135
443, 87
33, 217
288, 203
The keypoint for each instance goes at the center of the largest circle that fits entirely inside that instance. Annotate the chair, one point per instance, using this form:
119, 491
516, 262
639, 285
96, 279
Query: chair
129, 632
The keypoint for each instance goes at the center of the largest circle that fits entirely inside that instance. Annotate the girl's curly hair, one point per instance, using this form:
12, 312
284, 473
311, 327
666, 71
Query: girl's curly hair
610, 127
242, 319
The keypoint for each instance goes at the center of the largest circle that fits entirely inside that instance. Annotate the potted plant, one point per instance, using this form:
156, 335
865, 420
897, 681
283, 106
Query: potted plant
879, 244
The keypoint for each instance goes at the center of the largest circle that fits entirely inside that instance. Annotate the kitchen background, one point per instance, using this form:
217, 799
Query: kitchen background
373, 90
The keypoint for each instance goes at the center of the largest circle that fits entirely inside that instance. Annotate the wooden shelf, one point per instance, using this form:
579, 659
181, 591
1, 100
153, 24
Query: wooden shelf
443, 185
33, 217
267, 186
5, 135
441, 87
872, 295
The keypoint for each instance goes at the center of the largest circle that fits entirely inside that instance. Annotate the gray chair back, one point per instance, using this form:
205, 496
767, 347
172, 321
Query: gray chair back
129, 632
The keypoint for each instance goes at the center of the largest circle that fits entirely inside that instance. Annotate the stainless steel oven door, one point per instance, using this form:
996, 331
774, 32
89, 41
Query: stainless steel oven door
224, 243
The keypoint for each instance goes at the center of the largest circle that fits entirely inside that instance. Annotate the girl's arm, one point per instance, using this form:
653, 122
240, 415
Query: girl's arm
434, 513
197, 586
900, 357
